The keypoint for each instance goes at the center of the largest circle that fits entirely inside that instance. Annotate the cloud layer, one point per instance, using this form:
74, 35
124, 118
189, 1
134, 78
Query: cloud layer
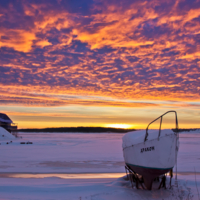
119, 49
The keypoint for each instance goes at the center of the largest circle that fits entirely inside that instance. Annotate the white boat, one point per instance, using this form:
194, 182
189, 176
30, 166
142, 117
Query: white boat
151, 153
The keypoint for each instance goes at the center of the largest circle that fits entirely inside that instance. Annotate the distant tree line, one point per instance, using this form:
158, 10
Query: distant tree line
79, 129
186, 129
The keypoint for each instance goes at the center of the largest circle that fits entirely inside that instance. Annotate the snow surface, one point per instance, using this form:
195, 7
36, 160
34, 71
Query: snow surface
64, 153
93, 189
5, 135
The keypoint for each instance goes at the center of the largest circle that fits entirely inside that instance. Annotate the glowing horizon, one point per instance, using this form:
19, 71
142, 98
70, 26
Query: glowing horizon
123, 126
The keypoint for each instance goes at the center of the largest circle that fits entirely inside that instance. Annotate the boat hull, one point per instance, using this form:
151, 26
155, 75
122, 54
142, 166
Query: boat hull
148, 174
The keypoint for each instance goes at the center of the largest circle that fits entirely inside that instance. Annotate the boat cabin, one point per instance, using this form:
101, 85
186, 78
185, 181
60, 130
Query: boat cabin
7, 123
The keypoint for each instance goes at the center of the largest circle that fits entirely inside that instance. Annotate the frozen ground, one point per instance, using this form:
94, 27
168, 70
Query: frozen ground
91, 189
63, 153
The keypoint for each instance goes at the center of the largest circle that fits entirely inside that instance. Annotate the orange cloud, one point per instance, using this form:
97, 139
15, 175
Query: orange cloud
43, 43
19, 40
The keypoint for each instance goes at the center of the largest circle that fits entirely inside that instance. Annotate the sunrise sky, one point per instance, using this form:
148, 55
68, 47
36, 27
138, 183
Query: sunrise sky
99, 63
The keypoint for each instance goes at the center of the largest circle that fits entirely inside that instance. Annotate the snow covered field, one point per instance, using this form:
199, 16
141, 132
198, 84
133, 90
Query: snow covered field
91, 158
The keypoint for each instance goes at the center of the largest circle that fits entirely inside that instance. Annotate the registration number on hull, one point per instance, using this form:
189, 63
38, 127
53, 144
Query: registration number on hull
147, 149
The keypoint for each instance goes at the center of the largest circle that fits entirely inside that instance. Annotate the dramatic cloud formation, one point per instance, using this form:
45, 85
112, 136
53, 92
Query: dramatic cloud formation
95, 50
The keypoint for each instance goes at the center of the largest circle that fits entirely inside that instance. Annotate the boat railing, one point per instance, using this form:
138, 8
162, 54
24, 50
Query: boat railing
12, 127
8, 124
176, 122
